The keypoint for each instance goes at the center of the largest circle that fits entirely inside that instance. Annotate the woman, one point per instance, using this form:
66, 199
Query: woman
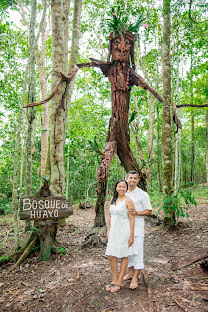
120, 234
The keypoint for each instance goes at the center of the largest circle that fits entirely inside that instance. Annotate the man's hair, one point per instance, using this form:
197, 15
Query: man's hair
132, 172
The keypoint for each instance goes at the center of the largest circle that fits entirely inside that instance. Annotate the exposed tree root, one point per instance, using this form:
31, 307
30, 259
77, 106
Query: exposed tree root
96, 237
6, 259
25, 254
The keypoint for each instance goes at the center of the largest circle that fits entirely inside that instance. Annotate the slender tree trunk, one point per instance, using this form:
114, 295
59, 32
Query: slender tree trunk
137, 138
30, 111
74, 47
207, 144
169, 217
22, 162
176, 171
176, 165
17, 139
151, 118
67, 173
192, 147
73, 60
150, 136
158, 150
180, 171
16, 168
185, 171
192, 123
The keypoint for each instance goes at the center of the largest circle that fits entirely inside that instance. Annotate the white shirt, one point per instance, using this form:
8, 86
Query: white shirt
141, 202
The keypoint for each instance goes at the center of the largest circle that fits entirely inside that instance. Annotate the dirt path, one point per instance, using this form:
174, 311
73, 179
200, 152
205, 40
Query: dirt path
76, 281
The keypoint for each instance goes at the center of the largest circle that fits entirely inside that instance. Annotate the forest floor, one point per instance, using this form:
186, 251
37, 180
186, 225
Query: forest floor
76, 281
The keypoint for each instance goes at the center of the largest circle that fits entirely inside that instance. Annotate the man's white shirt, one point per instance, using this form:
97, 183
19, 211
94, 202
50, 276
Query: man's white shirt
141, 202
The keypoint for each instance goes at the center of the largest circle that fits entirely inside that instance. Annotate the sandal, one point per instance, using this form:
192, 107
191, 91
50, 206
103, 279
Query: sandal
109, 286
115, 288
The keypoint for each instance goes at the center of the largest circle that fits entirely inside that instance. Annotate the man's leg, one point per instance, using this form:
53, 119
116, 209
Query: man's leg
130, 274
137, 261
134, 281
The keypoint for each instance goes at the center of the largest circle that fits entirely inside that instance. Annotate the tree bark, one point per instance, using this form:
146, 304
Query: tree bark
150, 136
169, 217
73, 60
58, 109
158, 150
177, 151
57, 116
99, 207
17, 139
74, 48
207, 143
45, 114
30, 111
192, 122
192, 148
176, 171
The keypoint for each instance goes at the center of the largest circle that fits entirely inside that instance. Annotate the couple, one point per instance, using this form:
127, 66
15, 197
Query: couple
126, 231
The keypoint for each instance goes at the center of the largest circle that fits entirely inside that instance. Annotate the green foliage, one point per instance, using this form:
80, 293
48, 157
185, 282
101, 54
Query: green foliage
5, 205
179, 203
132, 117
36, 230
4, 259
119, 21
61, 251
91, 106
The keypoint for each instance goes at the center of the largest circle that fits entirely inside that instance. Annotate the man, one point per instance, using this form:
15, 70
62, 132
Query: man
142, 207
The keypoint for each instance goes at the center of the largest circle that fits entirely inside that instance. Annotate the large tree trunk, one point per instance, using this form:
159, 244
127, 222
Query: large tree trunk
169, 217
57, 114
57, 117
45, 114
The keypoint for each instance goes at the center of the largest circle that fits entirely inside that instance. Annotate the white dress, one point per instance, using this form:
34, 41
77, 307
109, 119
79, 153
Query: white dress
119, 232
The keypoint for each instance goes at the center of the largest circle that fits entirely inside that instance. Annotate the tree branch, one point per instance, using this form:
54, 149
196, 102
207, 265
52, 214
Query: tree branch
22, 12
192, 105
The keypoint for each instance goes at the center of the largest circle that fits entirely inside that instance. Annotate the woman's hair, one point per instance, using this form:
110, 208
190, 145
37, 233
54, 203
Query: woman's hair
115, 195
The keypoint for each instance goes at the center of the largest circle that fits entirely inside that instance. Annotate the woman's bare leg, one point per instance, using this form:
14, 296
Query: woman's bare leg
124, 264
119, 282
114, 268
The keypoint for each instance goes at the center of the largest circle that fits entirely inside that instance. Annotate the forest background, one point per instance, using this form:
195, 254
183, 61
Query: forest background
90, 104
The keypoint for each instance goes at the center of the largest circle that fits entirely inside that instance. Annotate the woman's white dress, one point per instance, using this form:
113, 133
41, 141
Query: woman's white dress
119, 232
